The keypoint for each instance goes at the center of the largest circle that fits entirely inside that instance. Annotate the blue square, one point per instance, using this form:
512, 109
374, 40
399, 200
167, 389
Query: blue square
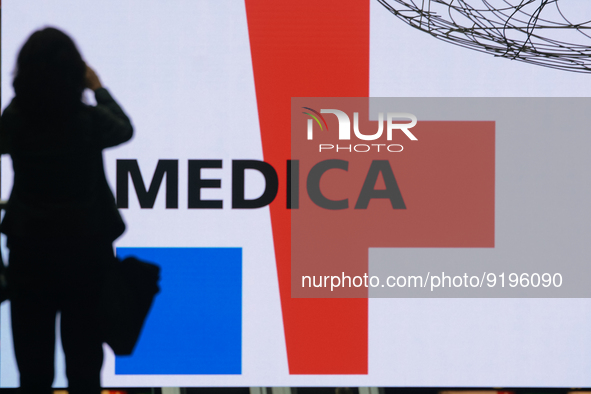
195, 324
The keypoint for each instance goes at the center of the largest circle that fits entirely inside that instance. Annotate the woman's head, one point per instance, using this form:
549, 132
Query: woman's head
50, 75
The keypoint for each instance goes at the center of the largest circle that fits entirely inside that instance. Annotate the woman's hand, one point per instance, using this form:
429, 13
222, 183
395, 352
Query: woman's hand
92, 80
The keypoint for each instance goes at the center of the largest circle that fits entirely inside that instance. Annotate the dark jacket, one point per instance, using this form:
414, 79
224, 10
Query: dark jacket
60, 191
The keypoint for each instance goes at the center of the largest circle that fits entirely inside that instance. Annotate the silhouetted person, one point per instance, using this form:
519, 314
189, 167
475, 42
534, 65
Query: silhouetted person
61, 217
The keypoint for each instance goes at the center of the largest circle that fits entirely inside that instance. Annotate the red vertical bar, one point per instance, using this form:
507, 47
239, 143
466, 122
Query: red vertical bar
309, 48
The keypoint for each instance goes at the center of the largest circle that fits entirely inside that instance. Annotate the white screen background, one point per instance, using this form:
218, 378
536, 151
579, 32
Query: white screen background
165, 58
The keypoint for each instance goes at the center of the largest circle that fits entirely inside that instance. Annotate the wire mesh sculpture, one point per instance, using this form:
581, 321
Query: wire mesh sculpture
540, 32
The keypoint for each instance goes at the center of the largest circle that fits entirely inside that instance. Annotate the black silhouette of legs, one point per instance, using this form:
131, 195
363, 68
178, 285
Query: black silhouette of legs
33, 330
46, 279
82, 342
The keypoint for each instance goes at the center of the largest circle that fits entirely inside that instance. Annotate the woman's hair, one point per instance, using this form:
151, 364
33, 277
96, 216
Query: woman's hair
50, 76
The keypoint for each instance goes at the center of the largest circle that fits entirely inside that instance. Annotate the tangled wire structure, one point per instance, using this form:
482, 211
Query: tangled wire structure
540, 32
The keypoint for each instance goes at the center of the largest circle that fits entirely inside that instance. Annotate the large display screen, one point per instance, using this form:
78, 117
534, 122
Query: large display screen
300, 247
